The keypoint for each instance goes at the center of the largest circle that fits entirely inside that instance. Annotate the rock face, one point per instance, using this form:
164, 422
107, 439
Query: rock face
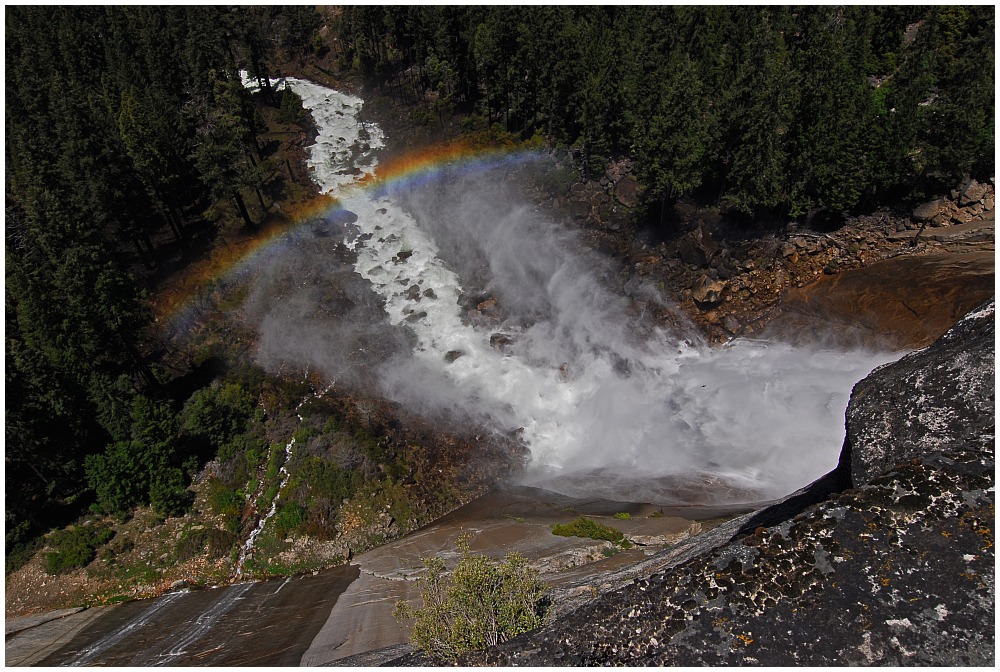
902, 303
910, 410
886, 561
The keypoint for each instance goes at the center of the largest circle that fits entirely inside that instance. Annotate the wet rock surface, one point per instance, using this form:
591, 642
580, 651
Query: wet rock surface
899, 303
887, 561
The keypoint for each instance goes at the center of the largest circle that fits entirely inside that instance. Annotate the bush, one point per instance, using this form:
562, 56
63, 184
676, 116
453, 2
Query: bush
20, 544
143, 468
482, 604
222, 499
168, 495
217, 543
590, 529
219, 413
119, 477
75, 548
289, 518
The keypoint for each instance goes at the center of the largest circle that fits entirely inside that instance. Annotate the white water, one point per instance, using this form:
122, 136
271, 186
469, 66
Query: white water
88, 654
753, 420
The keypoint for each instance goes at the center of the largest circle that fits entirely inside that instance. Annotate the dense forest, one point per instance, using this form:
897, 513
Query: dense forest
121, 123
784, 109
124, 123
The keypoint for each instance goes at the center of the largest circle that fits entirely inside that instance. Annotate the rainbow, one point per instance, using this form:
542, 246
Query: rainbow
417, 167
232, 256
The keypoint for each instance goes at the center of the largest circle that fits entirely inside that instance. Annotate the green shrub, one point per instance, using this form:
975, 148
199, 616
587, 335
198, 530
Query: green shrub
215, 542
168, 494
142, 469
590, 529
623, 515
219, 413
222, 499
20, 543
75, 548
483, 603
288, 518
322, 478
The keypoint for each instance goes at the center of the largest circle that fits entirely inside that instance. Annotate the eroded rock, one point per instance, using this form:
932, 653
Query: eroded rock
928, 211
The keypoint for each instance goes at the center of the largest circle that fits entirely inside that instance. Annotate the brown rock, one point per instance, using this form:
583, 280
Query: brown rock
928, 211
705, 290
870, 306
501, 342
579, 209
627, 192
973, 193
697, 247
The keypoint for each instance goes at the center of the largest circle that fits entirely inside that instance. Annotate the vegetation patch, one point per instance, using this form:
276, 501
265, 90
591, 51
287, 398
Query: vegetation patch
75, 548
215, 542
591, 529
481, 604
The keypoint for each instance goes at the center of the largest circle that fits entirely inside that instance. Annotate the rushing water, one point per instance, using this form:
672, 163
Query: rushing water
604, 400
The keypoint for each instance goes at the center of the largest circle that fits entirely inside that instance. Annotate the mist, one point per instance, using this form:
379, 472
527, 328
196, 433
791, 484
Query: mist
459, 300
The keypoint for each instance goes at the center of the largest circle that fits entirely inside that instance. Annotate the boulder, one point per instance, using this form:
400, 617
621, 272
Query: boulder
579, 209
939, 400
888, 560
501, 342
972, 193
928, 211
628, 191
697, 247
705, 290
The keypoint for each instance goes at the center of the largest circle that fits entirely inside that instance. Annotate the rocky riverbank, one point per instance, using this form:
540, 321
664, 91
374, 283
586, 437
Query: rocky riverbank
732, 277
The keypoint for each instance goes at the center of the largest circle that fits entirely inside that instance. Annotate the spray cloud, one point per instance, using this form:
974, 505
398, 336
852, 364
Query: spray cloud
608, 403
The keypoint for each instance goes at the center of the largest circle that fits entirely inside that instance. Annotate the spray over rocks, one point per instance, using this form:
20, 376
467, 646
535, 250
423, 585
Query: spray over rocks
454, 297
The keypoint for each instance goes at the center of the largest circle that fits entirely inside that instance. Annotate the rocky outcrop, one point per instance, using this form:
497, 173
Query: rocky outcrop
972, 201
937, 402
886, 561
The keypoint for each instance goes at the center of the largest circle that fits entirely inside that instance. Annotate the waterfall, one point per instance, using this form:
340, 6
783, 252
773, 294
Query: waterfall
601, 398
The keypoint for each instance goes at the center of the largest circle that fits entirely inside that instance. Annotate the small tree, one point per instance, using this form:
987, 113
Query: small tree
483, 603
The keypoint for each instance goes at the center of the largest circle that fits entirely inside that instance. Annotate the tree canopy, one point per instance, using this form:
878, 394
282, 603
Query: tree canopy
120, 123
792, 110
